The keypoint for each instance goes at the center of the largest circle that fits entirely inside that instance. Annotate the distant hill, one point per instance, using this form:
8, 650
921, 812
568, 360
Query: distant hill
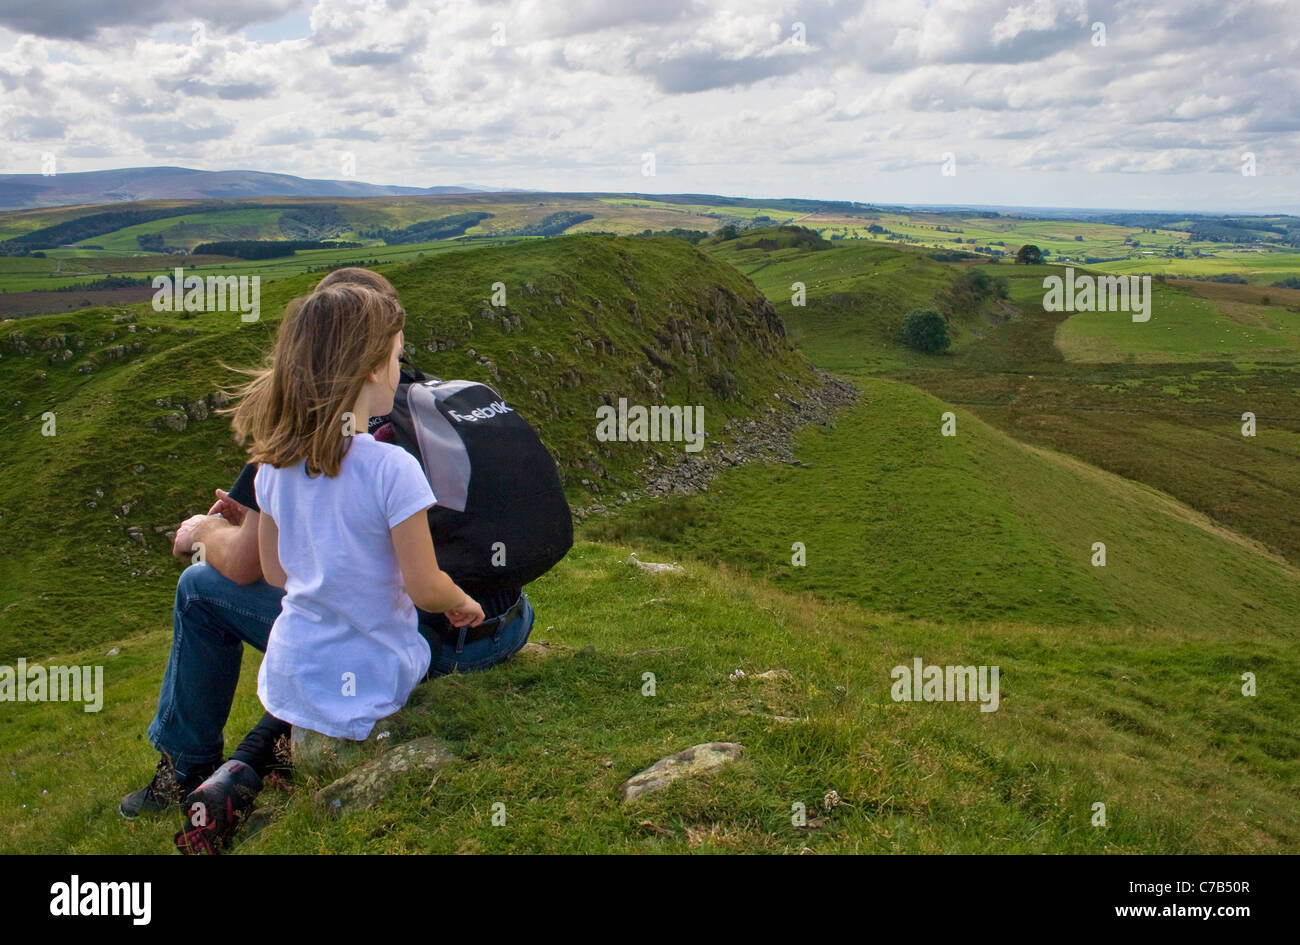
21, 191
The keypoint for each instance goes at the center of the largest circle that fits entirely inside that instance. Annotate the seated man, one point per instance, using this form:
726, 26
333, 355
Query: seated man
223, 603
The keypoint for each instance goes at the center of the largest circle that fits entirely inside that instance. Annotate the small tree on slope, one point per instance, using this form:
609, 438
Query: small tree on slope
925, 330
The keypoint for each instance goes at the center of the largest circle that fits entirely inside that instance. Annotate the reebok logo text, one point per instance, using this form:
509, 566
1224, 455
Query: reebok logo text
482, 413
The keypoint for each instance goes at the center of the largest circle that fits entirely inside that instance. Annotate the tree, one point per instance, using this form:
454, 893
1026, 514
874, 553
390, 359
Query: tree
1029, 253
968, 292
925, 330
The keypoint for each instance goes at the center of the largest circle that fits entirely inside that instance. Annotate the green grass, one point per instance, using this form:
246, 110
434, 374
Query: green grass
26, 265
1257, 264
80, 268
189, 231
856, 295
1150, 724
250, 220
1119, 685
1183, 327
878, 494
1177, 427
596, 305
1012, 373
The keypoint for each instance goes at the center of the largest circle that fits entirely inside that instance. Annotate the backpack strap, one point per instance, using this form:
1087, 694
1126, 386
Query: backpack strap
416, 377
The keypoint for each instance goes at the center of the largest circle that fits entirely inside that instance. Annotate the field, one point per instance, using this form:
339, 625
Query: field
1120, 684
1104, 247
1141, 400
1148, 722
74, 267
1185, 326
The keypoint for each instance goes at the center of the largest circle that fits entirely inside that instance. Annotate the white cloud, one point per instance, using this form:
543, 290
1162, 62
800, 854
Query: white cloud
422, 94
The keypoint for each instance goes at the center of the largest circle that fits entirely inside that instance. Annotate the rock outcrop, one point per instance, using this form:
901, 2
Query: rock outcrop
365, 786
765, 438
694, 761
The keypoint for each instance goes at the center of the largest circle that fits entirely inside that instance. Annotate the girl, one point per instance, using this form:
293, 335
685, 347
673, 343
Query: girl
343, 530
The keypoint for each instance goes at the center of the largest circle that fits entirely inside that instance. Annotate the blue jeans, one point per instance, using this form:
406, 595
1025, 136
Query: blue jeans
214, 617
483, 653
211, 621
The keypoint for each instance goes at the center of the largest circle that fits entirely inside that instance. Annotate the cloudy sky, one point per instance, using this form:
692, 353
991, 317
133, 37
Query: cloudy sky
840, 99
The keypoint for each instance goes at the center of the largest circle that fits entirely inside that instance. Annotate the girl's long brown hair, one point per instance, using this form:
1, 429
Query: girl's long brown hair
355, 275
328, 344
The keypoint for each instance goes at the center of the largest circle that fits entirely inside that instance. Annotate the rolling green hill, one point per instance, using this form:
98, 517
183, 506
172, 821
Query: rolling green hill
137, 443
1159, 402
83, 243
857, 294
1121, 684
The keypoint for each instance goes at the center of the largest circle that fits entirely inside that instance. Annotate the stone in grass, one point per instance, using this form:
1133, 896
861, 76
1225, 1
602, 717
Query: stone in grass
368, 784
771, 675
782, 719
655, 567
541, 649
697, 760
257, 821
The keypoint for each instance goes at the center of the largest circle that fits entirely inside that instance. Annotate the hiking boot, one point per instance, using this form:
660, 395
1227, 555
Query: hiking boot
165, 791
215, 809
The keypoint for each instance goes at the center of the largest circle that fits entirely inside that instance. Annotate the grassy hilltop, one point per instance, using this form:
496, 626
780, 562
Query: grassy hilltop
1120, 685
138, 442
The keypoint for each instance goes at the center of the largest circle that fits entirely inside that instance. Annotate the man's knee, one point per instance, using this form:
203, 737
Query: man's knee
203, 580
206, 598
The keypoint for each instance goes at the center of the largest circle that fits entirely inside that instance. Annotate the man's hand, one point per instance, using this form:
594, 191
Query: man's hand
229, 539
187, 535
228, 508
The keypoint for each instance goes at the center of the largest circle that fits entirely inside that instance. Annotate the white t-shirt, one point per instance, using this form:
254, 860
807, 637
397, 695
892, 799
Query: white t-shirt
345, 651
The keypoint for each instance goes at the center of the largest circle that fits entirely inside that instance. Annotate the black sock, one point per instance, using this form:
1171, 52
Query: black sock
258, 749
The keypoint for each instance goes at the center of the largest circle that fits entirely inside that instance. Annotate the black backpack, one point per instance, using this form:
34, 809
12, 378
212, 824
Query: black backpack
500, 519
